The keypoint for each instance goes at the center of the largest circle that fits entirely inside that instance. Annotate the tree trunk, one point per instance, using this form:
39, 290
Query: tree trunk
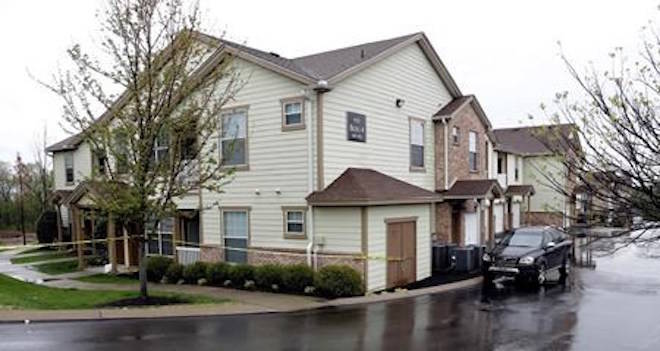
142, 268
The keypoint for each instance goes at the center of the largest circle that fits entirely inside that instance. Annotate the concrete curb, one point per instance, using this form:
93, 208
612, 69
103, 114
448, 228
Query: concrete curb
225, 309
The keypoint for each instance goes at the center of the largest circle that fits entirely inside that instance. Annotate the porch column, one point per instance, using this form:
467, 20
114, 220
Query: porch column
529, 210
112, 245
59, 225
78, 235
177, 240
491, 224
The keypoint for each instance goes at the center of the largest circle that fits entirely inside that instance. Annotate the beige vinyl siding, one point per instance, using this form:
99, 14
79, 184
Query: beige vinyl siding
406, 74
377, 241
278, 162
537, 171
339, 228
188, 202
82, 167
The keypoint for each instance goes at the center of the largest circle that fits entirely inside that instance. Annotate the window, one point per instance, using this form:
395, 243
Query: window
100, 162
234, 138
472, 148
189, 142
294, 222
455, 135
121, 154
293, 117
235, 231
416, 144
500, 164
161, 147
160, 241
516, 174
68, 167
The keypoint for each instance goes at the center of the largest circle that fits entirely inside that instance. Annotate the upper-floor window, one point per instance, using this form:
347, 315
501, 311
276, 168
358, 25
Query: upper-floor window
161, 147
293, 116
500, 164
472, 148
234, 138
516, 171
100, 160
159, 242
416, 143
189, 147
68, 168
455, 135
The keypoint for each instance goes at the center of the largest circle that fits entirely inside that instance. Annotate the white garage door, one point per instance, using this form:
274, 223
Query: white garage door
515, 208
471, 229
498, 212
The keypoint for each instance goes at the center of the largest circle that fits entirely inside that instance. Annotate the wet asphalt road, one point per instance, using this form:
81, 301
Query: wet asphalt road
614, 307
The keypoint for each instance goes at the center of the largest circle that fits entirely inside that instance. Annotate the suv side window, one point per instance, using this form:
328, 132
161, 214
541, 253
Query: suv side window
557, 236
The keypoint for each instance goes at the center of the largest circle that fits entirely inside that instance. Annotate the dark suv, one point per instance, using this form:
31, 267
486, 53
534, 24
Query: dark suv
527, 254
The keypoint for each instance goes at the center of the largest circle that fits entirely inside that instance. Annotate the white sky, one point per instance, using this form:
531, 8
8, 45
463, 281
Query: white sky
503, 51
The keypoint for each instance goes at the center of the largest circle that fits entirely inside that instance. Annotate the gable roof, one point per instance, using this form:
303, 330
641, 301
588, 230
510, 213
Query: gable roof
523, 190
457, 104
329, 66
536, 140
360, 186
473, 188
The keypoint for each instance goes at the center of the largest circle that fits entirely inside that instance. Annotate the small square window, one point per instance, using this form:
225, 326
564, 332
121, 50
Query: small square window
293, 117
294, 223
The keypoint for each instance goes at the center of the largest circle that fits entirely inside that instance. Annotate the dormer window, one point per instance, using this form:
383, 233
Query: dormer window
293, 116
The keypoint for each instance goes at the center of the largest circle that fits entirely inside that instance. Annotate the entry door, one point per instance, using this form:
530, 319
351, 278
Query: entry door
401, 253
471, 228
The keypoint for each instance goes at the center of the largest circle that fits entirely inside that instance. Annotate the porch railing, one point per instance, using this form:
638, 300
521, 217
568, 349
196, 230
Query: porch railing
187, 255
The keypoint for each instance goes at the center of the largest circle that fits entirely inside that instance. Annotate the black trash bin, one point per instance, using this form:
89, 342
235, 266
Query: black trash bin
464, 258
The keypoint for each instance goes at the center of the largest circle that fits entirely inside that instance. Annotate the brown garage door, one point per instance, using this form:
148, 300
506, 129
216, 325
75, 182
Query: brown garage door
401, 257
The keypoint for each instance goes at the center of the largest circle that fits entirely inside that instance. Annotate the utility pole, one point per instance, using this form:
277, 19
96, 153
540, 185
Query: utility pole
19, 167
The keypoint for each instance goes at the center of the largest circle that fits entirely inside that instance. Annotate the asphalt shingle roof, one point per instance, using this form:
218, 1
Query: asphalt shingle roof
537, 140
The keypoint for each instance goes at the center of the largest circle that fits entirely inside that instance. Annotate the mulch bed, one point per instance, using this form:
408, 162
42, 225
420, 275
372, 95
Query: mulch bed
150, 301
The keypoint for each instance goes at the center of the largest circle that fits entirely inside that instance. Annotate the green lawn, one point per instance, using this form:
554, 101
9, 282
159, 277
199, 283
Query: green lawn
44, 257
16, 294
37, 249
56, 268
107, 279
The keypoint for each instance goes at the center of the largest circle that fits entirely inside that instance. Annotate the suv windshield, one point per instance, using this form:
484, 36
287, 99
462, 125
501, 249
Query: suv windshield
525, 239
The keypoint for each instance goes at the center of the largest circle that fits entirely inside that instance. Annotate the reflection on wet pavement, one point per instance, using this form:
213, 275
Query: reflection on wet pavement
614, 307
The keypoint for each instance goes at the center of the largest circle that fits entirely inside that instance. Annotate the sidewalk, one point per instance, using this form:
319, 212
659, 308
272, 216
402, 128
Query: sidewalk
241, 301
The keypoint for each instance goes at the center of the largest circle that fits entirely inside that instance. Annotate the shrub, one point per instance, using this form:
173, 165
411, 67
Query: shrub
268, 275
297, 277
194, 272
157, 267
240, 273
47, 227
217, 273
174, 273
338, 281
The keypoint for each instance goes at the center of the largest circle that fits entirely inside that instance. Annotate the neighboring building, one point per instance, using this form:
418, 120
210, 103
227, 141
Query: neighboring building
530, 159
349, 156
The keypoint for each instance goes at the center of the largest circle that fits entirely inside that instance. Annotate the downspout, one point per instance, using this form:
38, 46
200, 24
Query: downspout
320, 88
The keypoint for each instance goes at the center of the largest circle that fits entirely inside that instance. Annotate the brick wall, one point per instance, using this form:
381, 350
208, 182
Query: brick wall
286, 257
211, 254
458, 154
443, 222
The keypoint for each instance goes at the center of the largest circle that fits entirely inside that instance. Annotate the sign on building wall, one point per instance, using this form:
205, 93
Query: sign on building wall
356, 127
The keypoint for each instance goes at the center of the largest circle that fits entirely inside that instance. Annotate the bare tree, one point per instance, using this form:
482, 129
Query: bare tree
157, 140
44, 181
617, 171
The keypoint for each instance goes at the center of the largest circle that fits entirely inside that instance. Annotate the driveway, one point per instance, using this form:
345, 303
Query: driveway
614, 307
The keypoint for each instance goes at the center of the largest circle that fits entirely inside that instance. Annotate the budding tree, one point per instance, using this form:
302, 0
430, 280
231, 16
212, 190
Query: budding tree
156, 141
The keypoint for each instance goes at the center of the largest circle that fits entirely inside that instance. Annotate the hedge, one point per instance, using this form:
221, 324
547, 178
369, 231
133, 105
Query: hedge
338, 281
240, 273
268, 276
194, 272
217, 273
174, 273
157, 267
297, 277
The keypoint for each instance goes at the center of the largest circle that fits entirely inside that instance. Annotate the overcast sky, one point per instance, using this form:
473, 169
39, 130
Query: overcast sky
504, 51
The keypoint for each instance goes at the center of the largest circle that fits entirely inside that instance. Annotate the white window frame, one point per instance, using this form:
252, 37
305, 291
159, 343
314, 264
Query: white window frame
286, 221
223, 226
158, 148
223, 115
68, 160
160, 233
293, 126
411, 122
473, 148
455, 135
